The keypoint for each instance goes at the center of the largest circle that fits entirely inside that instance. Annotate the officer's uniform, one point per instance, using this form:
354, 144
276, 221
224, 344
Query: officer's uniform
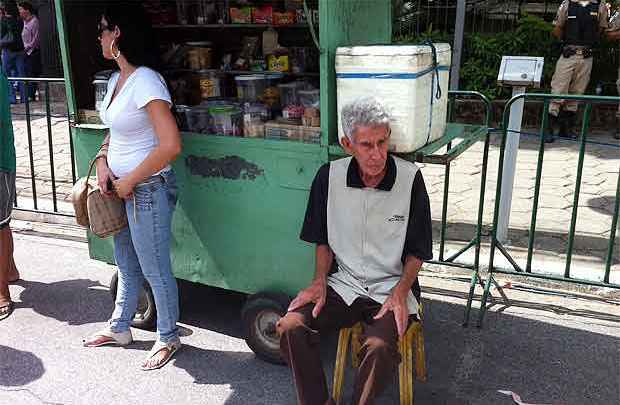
582, 23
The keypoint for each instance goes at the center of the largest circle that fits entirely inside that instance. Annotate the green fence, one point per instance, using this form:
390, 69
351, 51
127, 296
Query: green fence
496, 245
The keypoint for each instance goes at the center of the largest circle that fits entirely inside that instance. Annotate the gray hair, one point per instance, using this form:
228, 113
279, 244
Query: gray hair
363, 112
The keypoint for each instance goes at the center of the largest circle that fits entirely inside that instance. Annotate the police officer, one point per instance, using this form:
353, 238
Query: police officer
578, 24
614, 35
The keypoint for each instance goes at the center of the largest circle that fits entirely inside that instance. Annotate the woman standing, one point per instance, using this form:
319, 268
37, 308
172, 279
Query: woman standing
135, 160
13, 62
30, 38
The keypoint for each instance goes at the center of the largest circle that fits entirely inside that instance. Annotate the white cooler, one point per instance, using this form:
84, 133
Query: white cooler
403, 79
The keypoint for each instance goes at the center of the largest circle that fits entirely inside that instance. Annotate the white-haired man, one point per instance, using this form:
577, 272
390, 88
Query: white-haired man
369, 217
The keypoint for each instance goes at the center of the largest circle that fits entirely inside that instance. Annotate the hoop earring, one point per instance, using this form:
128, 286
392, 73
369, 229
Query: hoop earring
118, 55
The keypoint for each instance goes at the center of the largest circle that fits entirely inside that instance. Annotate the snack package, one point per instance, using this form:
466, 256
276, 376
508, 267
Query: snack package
286, 18
263, 15
241, 15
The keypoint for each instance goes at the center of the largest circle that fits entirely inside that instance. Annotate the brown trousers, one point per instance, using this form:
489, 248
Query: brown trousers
299, 344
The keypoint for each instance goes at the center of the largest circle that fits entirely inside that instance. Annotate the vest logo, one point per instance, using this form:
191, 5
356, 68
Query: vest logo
396, 218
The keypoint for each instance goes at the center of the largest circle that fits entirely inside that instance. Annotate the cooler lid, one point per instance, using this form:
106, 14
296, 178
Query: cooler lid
391, 50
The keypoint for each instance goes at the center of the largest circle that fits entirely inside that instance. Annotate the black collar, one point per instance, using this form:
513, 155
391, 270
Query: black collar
354, 179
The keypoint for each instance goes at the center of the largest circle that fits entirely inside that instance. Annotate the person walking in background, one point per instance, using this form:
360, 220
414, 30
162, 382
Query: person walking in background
12, 46
30, 38
579, 25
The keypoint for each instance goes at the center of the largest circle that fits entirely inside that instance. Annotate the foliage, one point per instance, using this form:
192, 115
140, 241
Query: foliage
482, 54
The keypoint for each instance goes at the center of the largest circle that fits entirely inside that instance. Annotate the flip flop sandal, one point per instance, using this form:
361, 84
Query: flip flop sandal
6, 310
172, 348
113, 338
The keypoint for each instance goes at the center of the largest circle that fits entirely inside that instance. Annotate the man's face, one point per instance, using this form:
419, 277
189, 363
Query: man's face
370, 148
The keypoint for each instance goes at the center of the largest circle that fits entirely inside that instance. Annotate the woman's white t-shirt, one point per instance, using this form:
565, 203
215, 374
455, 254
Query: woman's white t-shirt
132, 136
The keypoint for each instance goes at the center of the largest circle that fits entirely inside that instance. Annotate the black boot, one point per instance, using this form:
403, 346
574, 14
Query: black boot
568, 121
550, 131
617, 133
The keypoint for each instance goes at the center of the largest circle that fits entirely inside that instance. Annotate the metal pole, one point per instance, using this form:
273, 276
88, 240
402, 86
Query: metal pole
508, 174
457, 51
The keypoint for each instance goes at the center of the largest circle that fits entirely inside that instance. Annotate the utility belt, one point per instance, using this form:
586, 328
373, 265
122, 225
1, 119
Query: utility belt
568, 51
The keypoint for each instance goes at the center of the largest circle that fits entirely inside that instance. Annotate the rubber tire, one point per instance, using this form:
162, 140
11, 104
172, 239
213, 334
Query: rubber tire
149, 318
255, 306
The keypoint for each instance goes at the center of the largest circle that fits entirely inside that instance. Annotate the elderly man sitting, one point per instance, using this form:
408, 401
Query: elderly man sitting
369, 217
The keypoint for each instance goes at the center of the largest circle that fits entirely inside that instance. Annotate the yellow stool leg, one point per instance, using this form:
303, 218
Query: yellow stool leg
420, 361
341, 362
402, 371
356, 346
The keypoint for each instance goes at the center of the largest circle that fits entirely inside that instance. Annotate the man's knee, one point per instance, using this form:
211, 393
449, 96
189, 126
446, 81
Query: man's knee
381, 350
290, 322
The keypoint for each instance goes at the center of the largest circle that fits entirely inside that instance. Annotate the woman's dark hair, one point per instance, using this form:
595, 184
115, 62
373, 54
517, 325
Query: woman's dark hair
26, 5
136, 41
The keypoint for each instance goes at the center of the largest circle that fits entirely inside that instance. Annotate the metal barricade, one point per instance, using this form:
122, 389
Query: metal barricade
496, 245
44, 92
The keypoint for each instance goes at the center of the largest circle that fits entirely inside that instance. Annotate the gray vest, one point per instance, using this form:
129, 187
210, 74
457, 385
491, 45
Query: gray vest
366, 230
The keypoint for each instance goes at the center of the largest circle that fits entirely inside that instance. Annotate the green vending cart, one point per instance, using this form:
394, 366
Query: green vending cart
241, 199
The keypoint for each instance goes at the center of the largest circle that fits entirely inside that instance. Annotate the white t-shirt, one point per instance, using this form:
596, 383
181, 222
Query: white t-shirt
132, 136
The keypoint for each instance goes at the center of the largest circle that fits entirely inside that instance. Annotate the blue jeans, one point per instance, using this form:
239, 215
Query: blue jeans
14, 64
142, 251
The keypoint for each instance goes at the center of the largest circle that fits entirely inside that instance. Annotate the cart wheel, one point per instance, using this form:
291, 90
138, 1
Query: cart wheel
259, 315
146, 314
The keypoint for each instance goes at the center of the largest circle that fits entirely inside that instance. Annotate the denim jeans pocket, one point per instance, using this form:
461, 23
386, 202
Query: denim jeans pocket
143, 196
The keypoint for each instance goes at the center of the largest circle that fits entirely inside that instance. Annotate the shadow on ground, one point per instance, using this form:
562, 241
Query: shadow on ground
76, 302
18, 368
543, 362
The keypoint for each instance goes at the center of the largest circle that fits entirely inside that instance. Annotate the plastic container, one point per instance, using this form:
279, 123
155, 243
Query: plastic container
403, 79
198, 119
199, 55
289, 93
182, 117
210, 84
101, 88
310, 98
254, 118
250, 87
271, 94
226, 120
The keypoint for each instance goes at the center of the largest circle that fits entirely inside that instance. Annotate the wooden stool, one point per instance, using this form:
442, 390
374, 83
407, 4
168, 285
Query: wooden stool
414, 335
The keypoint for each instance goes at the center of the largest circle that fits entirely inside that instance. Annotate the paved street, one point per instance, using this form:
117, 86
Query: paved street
548, 348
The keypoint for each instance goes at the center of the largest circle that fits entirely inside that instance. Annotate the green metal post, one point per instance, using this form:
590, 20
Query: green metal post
573, 222
444, 208
612, 236
539, 167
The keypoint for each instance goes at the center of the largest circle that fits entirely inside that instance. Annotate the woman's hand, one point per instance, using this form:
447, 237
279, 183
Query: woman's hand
104, 176
124, 188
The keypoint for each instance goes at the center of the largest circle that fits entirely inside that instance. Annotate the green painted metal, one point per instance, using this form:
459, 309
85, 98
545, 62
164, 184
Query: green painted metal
344, 23
612, 236
241, 200
539, 167
495, 244
61, 23
573, 221
444, 207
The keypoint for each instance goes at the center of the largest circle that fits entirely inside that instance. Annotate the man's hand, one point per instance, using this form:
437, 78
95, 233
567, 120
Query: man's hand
316, 293
397, 303
124, 188
104, 174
